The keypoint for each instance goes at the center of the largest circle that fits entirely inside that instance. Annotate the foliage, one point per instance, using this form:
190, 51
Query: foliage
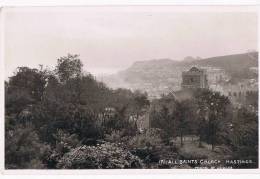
25, 87
68, 67
214, 112
104, 156
66, 106
252, 99
23, 149
56, 119
162, 116
186, 118
245, 136
151, 138
176, 118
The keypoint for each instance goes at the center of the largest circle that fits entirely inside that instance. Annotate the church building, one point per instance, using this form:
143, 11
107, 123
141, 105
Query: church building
194, 78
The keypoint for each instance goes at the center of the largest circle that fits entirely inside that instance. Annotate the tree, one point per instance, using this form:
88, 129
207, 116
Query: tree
163, 119
139, 104
68, 67
31, 80
214, 108
40, 102
252, 99
168, 121
25, 87
245, 136
185, 118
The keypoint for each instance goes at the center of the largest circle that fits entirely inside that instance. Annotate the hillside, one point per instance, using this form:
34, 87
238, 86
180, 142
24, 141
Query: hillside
162, 75
149, 71
230, 63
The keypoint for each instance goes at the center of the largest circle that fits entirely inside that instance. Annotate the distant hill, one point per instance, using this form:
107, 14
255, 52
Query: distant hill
230, 63
190, 59
165, 74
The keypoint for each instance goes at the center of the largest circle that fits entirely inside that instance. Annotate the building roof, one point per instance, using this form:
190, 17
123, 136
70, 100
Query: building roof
195, 69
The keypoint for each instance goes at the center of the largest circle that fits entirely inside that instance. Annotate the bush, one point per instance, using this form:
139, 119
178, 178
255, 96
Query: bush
147, 146
23, 149
65, 142
151, 138
115, 136
104, 156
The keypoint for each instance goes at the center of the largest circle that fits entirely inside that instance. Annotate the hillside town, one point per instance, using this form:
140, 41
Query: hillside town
159, 77
217, 79
211, 78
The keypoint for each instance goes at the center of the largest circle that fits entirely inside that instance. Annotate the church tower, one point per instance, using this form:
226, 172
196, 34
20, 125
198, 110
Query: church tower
194, 78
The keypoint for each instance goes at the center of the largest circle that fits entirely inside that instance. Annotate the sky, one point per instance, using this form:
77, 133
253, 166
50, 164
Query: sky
109, 39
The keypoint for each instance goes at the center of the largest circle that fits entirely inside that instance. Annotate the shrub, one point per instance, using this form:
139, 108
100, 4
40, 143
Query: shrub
147, 146
23, 149
151, 138
115, 136
106, 155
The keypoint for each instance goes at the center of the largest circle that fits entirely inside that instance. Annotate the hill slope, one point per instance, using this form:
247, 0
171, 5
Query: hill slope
231, 63
162, 75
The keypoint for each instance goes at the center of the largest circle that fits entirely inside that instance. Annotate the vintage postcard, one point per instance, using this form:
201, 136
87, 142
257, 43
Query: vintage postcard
130, 87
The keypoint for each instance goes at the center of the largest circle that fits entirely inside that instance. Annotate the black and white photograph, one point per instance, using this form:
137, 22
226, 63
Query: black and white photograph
130, 87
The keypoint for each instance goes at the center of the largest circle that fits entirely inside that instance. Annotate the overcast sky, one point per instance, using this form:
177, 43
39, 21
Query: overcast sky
112, 38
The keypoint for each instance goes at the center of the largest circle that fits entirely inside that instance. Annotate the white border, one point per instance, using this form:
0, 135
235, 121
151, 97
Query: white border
2, 89
125, 2
248, 5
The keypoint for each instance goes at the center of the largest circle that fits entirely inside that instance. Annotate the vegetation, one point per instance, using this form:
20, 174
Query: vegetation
106, 155
214, 120
64, 119
56, 111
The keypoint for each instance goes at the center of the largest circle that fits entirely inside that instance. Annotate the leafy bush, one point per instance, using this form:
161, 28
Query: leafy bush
65, 140
23, 149
106, 155
151, 138
147, 146
115, 136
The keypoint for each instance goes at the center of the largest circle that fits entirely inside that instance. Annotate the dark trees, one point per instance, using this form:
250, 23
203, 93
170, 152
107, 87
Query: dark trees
186, 118
214, 110
206, 114
23, 149
25, 87
245, 136
53, 110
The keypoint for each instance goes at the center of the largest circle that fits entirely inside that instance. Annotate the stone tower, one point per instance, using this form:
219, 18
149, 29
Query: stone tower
194, 78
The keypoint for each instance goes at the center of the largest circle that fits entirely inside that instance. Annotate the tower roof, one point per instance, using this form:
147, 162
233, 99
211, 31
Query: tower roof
195, 69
